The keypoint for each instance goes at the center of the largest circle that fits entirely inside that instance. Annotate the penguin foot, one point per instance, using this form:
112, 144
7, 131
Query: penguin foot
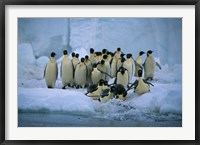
63, 87
49, 87
69, 85
77, 87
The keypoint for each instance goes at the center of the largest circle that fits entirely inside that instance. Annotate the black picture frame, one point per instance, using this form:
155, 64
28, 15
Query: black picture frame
3, 4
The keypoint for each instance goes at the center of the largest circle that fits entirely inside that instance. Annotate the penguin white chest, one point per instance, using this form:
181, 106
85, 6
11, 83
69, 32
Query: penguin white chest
51, 74
80, 74
122, 79
142, 87
149, 67
67, 72
96, 76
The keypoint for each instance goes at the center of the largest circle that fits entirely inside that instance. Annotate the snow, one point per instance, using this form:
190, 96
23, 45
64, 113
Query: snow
164, 98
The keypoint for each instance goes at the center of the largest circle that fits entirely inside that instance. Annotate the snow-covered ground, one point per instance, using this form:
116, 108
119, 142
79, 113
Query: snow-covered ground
162, 103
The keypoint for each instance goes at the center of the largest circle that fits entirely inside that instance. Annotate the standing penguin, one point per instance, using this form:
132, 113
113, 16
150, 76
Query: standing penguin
122, 77
95, 75
89, 69
81, 74
118, 53
66, 70
107, 65
130, 66
113, 65
149, 66
51, 71
139, 62
92, 56
141, 86
102, 68
120, 92
120, 61
75, 61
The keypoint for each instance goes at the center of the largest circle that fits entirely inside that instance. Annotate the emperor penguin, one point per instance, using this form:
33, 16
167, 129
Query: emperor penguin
92, 56
130, 66
95, 90
102, 68
118, 53
113, 65
107, 94
81, 74
139, 62
109, 56
89, 69
75, 61
98, 56
150, 66
122, 77
104, 51
120, 61
120, 92
141, 86
95, 75
66, 70
107, 65
51, 71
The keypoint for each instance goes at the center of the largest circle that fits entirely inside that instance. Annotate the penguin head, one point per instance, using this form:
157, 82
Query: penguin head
128, 55
122, 70
94, 65
102, 62
105, 56
112, 89
140, 73
53, 54
112, 54
91, 50
77, 55
98, 53
105, 83
118, 49
123, 60
104, 51
73, 54
86, 57
82, 59
65, 52
122, 55
101, 82
149, 52
141, 53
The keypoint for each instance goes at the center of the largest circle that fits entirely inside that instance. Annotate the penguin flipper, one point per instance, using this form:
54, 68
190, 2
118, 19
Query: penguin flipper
135, 84
56, 71
158, 65
92, 88
73, 68
45, 70
148, 83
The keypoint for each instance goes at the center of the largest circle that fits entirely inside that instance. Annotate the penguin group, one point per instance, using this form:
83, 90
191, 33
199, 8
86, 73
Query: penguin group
96, 69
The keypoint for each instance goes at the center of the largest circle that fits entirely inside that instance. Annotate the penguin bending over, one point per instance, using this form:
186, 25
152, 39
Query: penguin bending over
149, 66
120, 92
107, 94
51, 71
66, 70
81, 74
95, 90
141, 86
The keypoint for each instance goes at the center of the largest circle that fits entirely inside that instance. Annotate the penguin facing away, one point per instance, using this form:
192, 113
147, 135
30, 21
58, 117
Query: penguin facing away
66, 70
141, 86
139, 62
149, 66
51, 71
81, 74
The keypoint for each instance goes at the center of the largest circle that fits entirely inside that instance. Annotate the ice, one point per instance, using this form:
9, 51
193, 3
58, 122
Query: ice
163, 36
